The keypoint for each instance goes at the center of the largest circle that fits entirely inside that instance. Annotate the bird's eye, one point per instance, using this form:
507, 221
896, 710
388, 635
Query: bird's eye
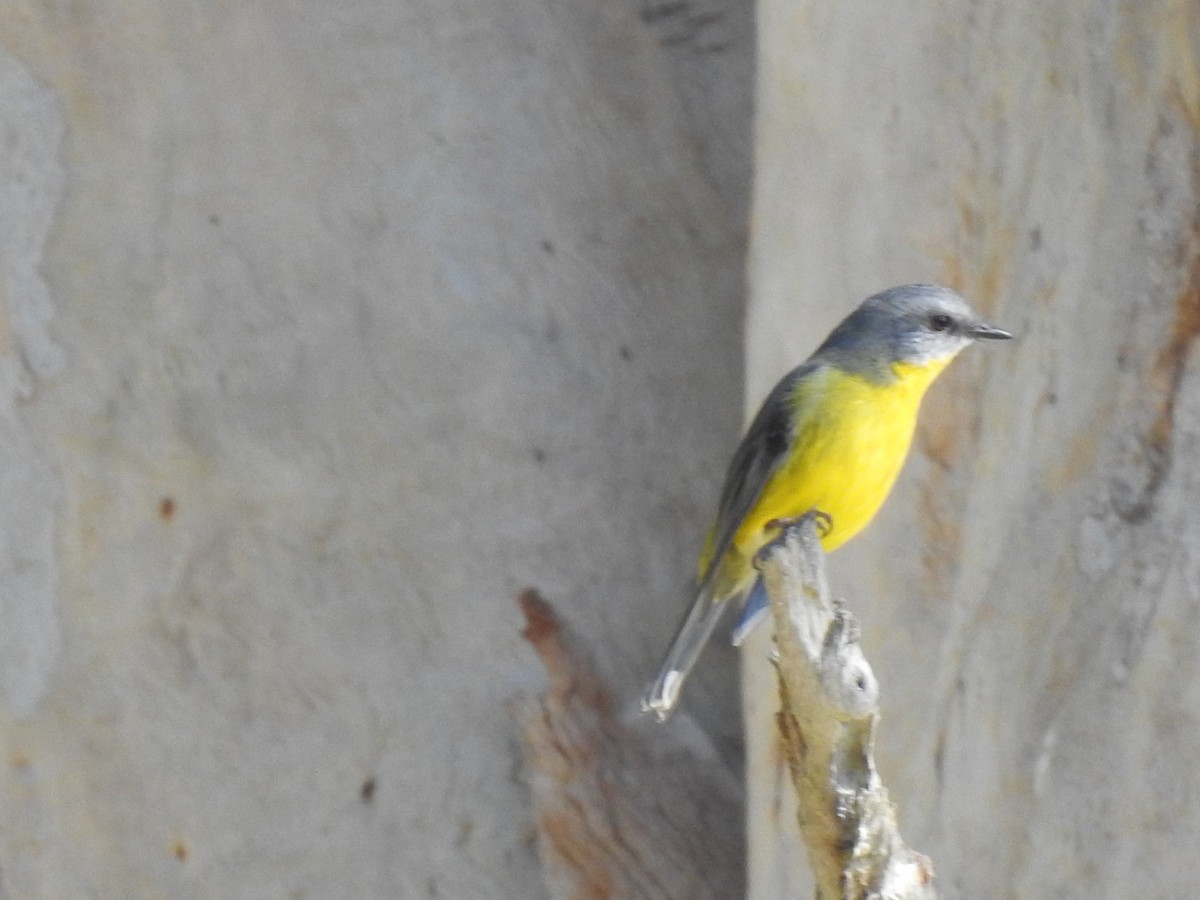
940, 321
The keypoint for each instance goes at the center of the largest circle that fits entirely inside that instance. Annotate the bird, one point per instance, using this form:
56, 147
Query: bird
830, 438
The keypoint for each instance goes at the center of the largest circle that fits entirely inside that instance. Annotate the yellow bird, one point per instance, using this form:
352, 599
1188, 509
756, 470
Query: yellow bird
831, 437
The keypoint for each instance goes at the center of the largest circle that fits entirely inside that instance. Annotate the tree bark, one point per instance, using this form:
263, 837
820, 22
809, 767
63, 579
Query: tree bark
620, 812
1028, 594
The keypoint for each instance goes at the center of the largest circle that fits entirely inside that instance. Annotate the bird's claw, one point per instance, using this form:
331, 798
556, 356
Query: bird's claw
823, 520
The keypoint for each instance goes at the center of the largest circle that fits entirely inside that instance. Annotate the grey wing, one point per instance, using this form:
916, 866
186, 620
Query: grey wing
754, 462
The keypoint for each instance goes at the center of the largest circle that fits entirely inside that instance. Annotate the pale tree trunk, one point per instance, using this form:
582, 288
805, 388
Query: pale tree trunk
1030, 595
326, 328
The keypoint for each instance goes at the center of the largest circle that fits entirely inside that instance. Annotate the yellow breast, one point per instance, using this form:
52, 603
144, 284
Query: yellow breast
851, 440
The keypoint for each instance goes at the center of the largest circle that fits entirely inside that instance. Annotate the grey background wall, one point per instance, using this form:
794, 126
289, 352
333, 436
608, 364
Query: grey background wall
326, 329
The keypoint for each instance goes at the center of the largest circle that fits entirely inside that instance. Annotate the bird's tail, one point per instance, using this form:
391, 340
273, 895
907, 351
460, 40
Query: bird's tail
662, 696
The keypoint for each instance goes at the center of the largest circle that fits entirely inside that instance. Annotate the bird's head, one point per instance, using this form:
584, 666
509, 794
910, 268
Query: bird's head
912, 326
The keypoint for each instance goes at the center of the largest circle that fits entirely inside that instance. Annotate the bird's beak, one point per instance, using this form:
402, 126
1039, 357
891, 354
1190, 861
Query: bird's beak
981, 331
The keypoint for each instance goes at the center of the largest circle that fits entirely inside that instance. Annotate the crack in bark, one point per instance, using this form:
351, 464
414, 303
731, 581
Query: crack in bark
1164, 379
616, 817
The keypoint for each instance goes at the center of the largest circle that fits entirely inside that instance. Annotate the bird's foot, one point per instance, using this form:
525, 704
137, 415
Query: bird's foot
823, 520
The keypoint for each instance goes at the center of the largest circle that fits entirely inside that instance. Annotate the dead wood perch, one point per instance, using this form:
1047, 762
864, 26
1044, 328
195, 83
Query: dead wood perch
620, 812
829, 709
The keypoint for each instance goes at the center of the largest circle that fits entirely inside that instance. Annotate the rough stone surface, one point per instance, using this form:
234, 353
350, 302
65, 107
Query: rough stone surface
327, 327
1028, 596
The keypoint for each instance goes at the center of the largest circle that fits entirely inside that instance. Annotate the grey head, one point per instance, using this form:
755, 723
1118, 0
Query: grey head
914, 324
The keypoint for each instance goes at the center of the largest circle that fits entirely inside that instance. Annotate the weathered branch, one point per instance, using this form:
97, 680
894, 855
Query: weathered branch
827, 721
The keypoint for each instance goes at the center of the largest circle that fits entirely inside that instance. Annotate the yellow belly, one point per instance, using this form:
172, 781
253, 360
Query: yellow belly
851, 440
